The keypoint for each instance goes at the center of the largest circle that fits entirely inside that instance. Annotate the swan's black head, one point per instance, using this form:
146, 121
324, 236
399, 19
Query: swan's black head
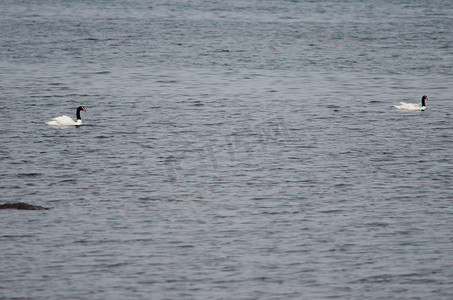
423, 100
78, 112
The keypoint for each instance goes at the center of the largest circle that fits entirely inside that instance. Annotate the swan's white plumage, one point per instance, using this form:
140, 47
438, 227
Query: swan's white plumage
410, 106
67, 121
63, 121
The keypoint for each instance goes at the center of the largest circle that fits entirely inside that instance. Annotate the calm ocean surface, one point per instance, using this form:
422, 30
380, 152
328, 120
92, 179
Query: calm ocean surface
230, 149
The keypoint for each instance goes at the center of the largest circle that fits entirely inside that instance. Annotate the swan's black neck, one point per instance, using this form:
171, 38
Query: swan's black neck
423, 100
78, 112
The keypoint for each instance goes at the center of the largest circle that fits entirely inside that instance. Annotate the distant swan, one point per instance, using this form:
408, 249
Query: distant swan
67, 121
413, 106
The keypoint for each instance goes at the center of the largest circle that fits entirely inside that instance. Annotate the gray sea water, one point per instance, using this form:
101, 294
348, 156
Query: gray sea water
230, 149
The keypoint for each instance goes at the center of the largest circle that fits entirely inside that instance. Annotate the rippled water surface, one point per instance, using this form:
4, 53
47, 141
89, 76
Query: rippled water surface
239, 150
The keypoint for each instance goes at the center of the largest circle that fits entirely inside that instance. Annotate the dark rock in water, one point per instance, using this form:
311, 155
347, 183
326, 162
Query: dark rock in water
22, 205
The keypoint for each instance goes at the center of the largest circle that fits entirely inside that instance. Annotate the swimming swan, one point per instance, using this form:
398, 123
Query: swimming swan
67, 121
413, 106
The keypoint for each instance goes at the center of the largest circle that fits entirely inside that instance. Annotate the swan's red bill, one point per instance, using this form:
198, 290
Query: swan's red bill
84, 109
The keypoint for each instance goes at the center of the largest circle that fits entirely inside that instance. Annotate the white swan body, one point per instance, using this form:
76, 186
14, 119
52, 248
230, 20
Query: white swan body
412, 106
67, 121
63, 121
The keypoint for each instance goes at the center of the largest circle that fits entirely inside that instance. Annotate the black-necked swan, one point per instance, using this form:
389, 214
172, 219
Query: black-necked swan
413, 106
67, 121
